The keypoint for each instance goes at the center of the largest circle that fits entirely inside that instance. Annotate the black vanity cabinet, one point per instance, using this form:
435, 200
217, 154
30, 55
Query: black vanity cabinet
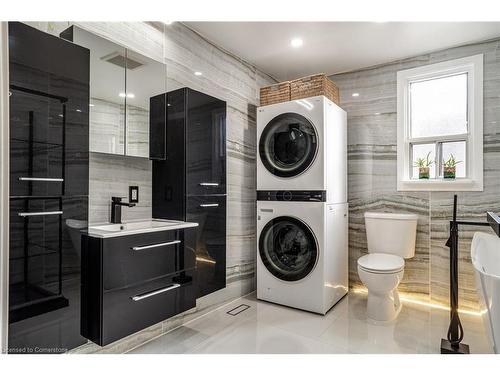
190, 184
134, 281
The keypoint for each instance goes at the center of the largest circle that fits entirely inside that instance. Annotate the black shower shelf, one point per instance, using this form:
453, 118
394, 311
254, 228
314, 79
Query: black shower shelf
41, 143
44, 252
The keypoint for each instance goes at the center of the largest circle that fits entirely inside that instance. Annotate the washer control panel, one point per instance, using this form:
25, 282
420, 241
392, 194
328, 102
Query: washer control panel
292, 195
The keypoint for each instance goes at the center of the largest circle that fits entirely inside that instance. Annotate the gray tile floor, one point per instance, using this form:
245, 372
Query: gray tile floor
270, 328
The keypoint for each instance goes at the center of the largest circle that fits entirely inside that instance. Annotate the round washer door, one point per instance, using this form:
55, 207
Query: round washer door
288, 248
288, 145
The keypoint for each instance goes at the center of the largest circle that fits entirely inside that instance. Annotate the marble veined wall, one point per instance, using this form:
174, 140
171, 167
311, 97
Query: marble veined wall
224, 76
372, 174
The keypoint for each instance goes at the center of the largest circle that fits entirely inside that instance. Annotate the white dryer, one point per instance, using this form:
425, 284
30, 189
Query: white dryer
302, 257
298, 143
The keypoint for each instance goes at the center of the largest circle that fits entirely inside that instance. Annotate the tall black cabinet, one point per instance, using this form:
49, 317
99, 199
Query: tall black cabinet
49, 133
190, 184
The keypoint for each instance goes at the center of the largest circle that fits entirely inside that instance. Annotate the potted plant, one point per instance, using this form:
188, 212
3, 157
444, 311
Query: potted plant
423, 167
450, 167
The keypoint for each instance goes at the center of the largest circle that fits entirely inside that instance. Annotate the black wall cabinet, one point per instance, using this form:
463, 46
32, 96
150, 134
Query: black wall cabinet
190, 184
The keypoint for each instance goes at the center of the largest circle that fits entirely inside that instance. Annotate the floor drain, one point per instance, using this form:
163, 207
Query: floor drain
238, 310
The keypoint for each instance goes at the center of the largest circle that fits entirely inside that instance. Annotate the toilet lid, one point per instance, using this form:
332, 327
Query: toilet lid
378, 262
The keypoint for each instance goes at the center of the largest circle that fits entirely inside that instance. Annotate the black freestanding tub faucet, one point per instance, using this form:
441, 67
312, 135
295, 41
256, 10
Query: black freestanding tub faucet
452, 344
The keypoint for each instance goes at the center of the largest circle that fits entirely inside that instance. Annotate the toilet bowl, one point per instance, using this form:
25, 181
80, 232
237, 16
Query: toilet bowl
75, 228
391, 239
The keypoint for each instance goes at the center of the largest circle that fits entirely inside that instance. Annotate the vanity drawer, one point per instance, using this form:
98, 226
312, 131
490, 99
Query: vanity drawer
129, 260
129, 310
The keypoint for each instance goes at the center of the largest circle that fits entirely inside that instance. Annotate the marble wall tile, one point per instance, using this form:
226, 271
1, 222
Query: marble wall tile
372, 129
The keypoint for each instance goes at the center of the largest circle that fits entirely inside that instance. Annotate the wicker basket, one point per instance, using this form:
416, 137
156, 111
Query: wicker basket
317, 84
277, 93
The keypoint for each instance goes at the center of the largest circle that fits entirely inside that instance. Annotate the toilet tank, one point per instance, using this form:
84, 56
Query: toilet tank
391, 233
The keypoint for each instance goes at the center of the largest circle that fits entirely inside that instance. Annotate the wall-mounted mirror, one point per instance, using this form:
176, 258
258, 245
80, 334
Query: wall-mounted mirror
143, 82
121, 84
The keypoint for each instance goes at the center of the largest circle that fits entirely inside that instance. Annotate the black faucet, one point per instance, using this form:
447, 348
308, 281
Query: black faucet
116, 209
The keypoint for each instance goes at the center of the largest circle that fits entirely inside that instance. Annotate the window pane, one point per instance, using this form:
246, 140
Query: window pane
457, 149
439, 106
421, 151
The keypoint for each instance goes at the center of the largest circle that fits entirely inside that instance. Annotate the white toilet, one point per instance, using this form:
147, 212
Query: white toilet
391, 239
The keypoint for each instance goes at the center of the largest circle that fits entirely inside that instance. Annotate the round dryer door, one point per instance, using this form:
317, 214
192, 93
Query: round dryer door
288, 145
288, 248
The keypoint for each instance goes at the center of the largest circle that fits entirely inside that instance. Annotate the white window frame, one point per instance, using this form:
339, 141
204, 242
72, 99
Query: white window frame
473, 66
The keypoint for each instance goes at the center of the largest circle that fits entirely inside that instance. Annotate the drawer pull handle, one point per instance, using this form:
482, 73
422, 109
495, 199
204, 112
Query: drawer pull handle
44, 213
155, 292
209, 184
209, 205
46, 179
138, 248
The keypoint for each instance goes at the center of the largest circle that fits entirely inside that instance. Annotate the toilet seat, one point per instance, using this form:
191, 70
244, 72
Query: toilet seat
381, 263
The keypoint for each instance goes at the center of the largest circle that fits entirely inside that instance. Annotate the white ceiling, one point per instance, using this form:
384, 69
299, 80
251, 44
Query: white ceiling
335, 47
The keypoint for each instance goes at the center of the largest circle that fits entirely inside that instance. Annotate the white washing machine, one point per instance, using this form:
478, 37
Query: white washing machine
298, 143
302, 258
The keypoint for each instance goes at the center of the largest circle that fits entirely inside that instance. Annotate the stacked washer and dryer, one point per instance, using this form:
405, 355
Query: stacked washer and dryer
302, 224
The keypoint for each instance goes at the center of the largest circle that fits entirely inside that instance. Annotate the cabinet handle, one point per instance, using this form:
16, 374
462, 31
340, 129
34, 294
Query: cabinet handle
209, 184
138, 248
209, 205
155, 292
46, 179
44, 213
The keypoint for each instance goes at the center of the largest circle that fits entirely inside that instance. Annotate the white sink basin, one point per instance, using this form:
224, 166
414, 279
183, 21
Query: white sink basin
137, 227
485, 253
133, 225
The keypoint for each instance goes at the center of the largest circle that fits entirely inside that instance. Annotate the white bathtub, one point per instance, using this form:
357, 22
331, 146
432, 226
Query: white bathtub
485, 252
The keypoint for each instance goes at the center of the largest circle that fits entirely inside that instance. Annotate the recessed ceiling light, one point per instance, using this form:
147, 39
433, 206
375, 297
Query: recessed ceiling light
78, 110
91, 105
128, 95
198, 73
296, 42
377, 113
169, 22
355, 94
122, 95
